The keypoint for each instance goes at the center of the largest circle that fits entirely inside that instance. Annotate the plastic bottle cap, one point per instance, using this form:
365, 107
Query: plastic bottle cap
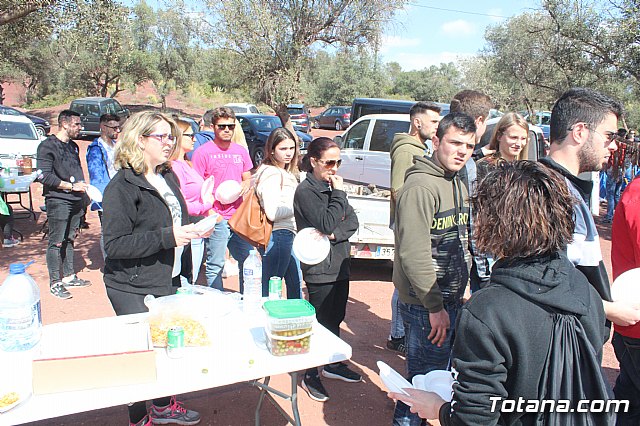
17, 268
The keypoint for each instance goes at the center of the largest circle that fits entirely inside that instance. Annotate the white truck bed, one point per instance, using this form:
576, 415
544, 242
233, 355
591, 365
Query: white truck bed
374, 239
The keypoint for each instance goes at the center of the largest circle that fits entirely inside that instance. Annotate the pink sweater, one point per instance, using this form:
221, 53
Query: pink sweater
190, 186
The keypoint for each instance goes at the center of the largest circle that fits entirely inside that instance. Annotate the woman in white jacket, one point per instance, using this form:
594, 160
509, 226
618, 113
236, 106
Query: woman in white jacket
276, 182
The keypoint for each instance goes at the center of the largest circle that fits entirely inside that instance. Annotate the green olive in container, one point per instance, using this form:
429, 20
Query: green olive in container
289, 326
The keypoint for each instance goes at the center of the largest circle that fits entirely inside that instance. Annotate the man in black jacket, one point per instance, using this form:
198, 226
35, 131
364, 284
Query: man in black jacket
64, 188
583, 129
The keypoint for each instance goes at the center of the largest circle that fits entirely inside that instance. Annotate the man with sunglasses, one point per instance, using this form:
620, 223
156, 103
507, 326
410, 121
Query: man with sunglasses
100, 159
583, 130
64, 191
224, 160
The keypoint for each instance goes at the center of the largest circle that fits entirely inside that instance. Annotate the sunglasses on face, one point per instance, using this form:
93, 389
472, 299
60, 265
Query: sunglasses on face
227, 126
189, 135
330, 164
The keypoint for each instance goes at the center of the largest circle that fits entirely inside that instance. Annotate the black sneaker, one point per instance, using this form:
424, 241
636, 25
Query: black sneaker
397, 344
76, 282
59, 291
173, 413
314, 387
340, 371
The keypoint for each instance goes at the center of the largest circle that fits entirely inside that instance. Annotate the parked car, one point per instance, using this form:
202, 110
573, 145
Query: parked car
300, 117
542, 119
257, 128
368, 106
365, 148
43, 127
335, 117
242, 108
18, 138
90, 110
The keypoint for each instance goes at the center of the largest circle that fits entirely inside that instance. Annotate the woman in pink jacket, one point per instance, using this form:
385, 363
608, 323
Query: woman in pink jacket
191, 187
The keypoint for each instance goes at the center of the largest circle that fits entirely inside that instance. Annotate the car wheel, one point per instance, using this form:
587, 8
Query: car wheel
41, 132
338, 125
258, 156
316, 124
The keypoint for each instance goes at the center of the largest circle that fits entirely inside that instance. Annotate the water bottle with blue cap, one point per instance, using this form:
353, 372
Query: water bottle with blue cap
20, 317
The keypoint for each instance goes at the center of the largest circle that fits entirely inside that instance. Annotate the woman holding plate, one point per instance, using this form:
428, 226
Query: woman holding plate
321, 203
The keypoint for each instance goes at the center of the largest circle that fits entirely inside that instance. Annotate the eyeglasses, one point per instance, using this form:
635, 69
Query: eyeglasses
168, 139
189, 135
608, 136
330, 164
228, 126
116, 128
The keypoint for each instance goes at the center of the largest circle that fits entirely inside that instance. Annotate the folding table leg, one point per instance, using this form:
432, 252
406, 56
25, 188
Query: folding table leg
267, 391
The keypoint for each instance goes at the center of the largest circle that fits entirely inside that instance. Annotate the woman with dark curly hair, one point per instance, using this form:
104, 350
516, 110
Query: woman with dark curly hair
524, 215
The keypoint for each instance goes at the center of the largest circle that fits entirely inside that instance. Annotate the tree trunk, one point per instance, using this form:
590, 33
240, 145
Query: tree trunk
1, 95
285, 117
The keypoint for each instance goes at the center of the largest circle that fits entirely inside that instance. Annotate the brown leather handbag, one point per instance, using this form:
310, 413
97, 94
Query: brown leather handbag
250, 221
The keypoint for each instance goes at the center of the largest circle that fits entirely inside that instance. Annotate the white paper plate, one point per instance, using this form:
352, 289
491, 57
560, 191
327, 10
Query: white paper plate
228, 191
94, 193
309, 247
23, 395
392, 379
437, 381
207, 223
626, 287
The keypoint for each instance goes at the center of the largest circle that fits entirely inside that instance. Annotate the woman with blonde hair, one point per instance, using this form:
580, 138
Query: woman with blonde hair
509, 140
191, 187
276, 183
146, 235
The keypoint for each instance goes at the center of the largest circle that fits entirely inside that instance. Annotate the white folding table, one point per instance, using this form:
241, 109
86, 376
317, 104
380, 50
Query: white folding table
237, 354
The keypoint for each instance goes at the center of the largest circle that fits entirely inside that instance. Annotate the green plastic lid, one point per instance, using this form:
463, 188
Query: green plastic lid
289, 308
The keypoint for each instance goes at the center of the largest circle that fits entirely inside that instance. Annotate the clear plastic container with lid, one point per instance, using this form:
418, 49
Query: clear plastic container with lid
20, 317
289, 326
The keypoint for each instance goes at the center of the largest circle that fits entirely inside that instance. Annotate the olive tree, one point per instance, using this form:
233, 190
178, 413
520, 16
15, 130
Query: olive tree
274, 39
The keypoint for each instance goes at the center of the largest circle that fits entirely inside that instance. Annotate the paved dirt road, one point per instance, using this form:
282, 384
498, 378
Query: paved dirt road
366, 328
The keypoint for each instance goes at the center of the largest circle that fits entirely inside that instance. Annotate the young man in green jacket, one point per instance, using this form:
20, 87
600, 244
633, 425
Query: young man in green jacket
432, 259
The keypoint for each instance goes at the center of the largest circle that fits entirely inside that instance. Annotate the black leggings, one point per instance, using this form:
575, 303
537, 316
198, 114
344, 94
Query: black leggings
124, 304
330, 301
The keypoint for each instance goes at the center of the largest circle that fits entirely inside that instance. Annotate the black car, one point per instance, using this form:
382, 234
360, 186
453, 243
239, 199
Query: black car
43, 127
257, 128
335, 117
90, 110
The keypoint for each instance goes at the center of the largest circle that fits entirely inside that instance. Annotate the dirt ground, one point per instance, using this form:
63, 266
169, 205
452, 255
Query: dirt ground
366, 328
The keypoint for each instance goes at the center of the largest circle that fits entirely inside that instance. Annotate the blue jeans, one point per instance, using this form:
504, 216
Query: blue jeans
613, 196
220, 240
422, 355
279, 261
397, 328
628, 382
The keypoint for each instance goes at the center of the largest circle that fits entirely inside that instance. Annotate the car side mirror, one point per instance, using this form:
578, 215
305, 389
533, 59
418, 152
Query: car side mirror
339, 141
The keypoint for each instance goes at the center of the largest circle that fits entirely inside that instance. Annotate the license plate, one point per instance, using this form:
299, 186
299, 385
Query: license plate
386, 252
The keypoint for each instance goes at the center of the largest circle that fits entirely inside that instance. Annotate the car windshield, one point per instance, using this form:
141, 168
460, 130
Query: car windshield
238, 109
12, 130
9, 111
295, 111
266, 124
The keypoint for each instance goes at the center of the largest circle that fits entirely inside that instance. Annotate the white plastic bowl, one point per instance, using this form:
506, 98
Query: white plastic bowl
228, 191
437, 381
94, 193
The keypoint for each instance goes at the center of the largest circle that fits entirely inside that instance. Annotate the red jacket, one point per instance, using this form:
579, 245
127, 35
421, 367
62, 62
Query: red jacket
625, 241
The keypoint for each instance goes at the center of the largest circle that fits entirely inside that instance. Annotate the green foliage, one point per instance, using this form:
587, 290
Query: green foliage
436, 83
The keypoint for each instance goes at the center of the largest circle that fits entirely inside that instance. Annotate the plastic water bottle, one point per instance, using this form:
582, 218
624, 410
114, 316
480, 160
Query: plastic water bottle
252, 271
20, 318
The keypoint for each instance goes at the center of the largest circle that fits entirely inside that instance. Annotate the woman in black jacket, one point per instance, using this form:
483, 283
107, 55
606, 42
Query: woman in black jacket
146, 235
320, 202
523, 214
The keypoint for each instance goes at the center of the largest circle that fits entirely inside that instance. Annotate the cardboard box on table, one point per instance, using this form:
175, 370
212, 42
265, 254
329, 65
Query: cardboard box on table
88, 355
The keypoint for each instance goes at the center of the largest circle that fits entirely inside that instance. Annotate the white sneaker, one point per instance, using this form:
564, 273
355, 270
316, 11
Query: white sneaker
10, 242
